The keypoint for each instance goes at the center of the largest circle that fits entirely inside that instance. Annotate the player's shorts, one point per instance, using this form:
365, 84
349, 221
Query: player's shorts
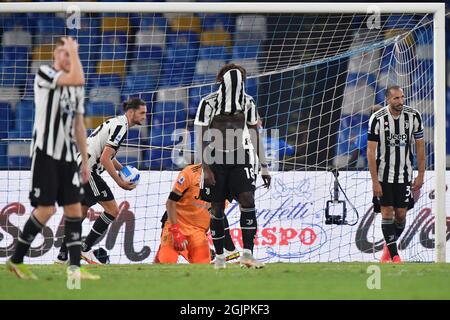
231, 180
53, 181
96, 190
397, 195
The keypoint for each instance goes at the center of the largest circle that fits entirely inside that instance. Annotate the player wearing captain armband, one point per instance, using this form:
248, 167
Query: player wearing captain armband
103, 144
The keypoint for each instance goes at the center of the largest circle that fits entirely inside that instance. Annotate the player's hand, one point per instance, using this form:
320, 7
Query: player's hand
179, 240
208, 177
70, 44
377, 190
418, 183
126, 185
84, 172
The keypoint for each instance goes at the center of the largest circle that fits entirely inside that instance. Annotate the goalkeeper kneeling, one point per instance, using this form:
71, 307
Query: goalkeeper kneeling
184, 232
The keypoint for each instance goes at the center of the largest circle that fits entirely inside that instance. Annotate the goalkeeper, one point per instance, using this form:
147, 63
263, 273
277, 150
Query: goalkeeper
186, 222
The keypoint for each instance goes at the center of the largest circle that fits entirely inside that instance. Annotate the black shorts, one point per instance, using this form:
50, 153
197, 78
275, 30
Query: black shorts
231, 180
53, 181
397, 195
96, 190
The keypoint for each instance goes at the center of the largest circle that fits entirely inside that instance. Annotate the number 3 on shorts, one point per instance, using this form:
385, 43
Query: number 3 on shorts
408, 192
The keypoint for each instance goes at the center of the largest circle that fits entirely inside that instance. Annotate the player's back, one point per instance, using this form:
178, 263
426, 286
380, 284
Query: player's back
191, 211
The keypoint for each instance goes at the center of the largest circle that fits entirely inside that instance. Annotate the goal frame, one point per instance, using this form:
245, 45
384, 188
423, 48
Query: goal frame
437, 9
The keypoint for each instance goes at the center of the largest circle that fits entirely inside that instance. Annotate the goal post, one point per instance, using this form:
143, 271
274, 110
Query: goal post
438, 56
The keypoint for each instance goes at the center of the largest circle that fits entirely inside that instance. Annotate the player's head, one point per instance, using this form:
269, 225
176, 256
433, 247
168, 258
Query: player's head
135, 110
61, 55
395, 97
228, 67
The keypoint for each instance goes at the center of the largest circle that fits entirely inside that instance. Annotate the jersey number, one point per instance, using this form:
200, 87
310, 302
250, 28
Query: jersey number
250, 173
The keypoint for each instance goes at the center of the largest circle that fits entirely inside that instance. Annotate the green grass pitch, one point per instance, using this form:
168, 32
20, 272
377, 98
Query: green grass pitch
276, 281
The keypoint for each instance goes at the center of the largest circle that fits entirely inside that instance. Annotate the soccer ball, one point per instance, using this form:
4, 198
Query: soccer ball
130, 174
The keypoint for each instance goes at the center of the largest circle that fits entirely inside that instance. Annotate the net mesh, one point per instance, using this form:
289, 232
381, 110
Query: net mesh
316, 80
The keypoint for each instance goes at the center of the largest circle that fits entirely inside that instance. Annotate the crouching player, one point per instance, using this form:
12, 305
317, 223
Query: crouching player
186, 222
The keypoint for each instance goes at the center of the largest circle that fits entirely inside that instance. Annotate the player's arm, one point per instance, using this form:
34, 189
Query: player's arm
117, 165
106, 160
75, 77
80, 136
179, 240
261, 152
420, 151
372, 144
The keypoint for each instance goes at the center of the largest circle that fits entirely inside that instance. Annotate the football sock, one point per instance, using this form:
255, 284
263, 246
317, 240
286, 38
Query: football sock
98, 229
387, 226
72, 235
30, 230
229, 245
217, 233
399, 227
248, 227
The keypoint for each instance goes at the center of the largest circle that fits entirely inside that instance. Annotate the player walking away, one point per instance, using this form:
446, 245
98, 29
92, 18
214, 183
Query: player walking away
392, 131
229, 167
103, 144
59, 100
186, 222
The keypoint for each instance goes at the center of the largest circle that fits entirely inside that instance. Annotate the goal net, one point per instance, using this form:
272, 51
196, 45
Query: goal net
316, 79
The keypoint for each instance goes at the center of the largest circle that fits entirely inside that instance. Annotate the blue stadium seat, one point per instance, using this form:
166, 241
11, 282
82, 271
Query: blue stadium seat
245, 52
213, 52
147, 52
139, 83
400, 21
113, 52
18, 154
251, 87
105, 80
3, 156
19, 53
13, 73
195, 95
5, 119
217, 21
18, 21
25, 118
168, 106
100, 109
148, 21
49, 27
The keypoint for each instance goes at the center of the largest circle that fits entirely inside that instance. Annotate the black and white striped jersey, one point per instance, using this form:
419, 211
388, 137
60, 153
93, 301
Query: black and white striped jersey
228, 100
395, 137
112, 132
56, 107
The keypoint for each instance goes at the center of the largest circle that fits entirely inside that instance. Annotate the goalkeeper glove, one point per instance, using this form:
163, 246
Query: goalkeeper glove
179, 240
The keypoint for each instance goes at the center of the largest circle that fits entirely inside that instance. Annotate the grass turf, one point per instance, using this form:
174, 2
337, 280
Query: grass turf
276, 281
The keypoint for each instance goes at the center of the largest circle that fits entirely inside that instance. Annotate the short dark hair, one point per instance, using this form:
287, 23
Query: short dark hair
388, 90
228, 67
133, 103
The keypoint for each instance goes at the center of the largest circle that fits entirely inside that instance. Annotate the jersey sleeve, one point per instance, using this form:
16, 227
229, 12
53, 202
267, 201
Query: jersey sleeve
374, 129
47, 77
204, 114
252, 113
183, 181
418, 126
116, 135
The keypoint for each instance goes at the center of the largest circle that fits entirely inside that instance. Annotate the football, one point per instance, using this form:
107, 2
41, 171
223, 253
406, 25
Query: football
130, 174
